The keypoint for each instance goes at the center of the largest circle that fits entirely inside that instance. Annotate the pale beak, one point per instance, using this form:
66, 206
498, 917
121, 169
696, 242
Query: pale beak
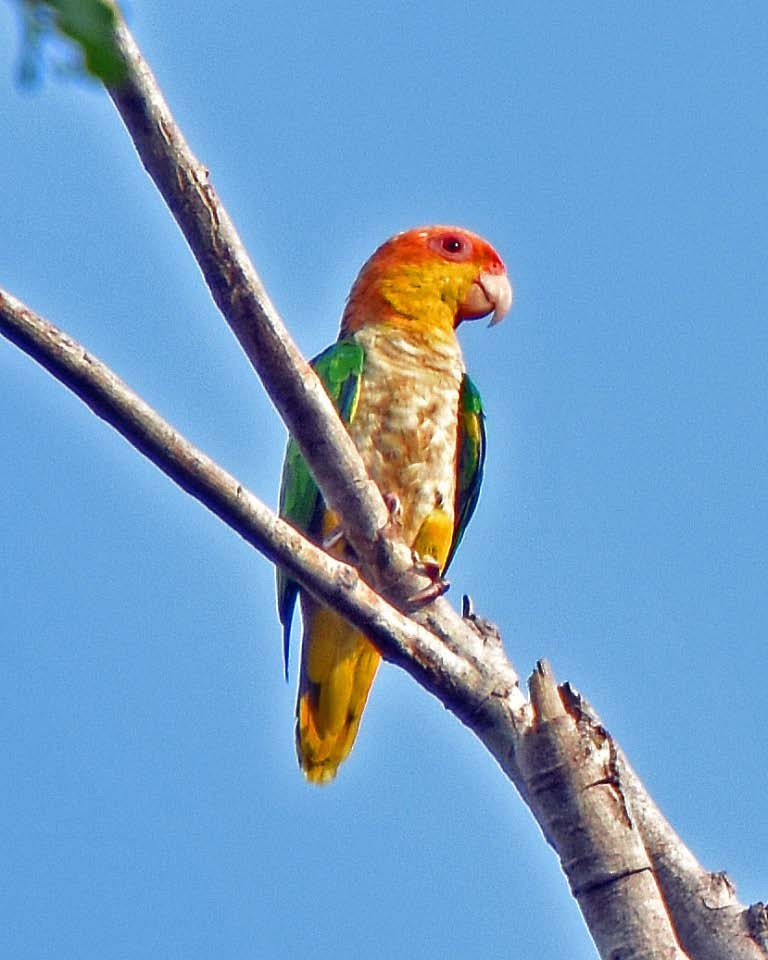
490, 293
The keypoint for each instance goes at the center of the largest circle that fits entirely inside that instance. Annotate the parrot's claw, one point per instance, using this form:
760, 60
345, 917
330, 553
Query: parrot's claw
429, 567
333, 539
426, 565
395, 508
429, 593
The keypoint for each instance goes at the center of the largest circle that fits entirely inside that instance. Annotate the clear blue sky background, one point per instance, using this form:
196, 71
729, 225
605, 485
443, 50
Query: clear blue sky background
616, 156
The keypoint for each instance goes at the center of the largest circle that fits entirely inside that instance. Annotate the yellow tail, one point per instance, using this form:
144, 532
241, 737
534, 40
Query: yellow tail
338, 665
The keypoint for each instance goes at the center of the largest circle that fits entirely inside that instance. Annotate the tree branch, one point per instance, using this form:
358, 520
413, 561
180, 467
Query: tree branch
639, 888
570, 766
710, 921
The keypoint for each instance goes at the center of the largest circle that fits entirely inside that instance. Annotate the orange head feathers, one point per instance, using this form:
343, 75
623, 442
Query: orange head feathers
428, 280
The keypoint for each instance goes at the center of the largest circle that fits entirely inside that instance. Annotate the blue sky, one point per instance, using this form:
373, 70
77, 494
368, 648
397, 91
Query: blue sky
615, 154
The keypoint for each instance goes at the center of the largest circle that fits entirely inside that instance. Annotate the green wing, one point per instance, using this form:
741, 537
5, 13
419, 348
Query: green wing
470, 458
339, 368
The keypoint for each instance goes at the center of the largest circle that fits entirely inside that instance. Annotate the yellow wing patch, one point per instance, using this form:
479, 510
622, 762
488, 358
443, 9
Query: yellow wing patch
435, 537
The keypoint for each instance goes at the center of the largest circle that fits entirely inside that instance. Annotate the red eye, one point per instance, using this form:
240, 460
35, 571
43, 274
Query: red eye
452, 246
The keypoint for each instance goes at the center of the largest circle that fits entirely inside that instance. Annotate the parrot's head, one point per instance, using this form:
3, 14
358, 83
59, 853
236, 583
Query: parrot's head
428, 280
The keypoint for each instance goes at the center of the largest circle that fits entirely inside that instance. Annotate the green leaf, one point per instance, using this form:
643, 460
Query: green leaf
89, 24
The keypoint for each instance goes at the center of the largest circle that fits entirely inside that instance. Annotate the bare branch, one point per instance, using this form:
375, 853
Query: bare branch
710, 922
569, 767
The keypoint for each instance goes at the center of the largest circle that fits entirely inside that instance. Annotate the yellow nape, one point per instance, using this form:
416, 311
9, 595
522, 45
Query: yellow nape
338, 667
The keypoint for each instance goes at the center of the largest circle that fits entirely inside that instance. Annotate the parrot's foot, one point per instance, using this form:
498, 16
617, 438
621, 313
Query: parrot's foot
333, 539
429, 567
426, 565
431, 592
392, 531
395, 508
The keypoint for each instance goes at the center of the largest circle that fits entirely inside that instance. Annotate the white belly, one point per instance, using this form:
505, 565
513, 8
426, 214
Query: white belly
406, 422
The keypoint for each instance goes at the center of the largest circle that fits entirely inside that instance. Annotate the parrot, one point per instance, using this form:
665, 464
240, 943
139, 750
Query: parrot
396, 377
